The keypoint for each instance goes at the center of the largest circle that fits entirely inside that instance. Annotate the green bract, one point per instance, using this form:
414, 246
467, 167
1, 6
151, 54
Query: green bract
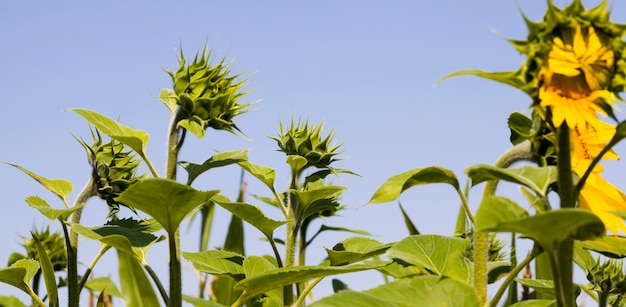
114, 169
307, 142
205, 94
54, 245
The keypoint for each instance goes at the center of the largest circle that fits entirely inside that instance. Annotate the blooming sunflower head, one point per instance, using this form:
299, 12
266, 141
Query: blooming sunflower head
574, 65
206, 94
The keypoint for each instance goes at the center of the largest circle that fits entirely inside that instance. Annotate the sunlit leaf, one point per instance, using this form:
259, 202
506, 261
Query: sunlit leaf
193, 126
394, 186
535, 303
439, 255
614, 247
495, 210
135, 139
44, 208
497, 269
255, 265
251, 214
280, 277
317, 200
135, 285
540, 285
355, 249
407, 292
19, 274
217, 262
535, 178
47, 271
11, 301
59, 187
264, 174
167, 201
296, 162
198, 302
410, 226
217, 160
103, 284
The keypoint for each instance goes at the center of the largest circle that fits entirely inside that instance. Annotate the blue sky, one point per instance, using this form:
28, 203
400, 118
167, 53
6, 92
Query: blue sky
366, 68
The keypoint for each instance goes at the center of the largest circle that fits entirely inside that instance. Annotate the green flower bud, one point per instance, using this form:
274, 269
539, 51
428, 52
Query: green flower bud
607, 277
114, 169
307, 142
207, 94
53, 244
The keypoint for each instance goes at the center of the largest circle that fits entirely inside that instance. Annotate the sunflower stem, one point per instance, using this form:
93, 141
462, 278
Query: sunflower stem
565, 251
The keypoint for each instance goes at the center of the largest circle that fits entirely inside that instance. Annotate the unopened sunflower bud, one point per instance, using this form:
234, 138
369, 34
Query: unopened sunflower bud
307, 142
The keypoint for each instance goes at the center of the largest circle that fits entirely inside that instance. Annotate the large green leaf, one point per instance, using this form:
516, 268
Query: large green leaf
280, 277
19, 274
614, 247
535, 178
394, 186
59, 187
264, 174
217, 262
255, 265
439, 255
355, 249
103, 284
217, 160
540, 285
407, 292
44, 208
167, 201
135, 139
198, 302
251, 214
549, 229
47, 271
132, 241
317, 200
135, 285
10, 301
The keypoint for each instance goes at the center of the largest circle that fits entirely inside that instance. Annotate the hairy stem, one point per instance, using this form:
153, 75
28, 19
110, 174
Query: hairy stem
510, 278
103, 249
157, 282
565, 250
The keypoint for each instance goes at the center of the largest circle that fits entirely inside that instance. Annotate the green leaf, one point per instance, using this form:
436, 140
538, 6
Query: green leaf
280, 277
169, 98
217, 262
103, 284
47, 271
407, 221
317, 200
540, 285
251, 214
614, 247
193, 126
521, 127
264, 174
217, 160
535, 303
407, 292
549, 229
135, 139
135, 285
514, 79
535, 178
497, 269
355, 249
19, 274
198, 302
10, 301
59, 187
44, 208
296, 162
167, 201
439, 255
255, 265
394, 186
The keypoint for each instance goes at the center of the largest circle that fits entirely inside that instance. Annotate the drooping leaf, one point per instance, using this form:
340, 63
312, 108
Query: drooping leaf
614, 247
217, 160
135, 285
103, 284
47, 271
339, 285
407, 221
497, 269
439, 255
394, 186
317, 200
167, 201
583, 258
251, 214
198, 302
44, 208
495, 210
217, 262
521, 127
280, 277
59, 187
355, 249
540, 285
264, 174
322, 174
535, 303
135, 139
255, 265
193, 126
332, 228
296, 162
535, 178
407, 292
548, 229
19, 274
10, 301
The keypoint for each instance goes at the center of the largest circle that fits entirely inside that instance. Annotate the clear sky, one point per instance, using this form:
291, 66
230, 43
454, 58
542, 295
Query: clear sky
367, 68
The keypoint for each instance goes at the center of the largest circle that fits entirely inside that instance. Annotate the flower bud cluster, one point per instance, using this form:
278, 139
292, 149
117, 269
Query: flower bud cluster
307, 142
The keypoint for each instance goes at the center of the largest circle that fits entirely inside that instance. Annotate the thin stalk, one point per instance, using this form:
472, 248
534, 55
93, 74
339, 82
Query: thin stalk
103, 249
565, 250
290, 242
36, 299
279, 260
157, 282
306, 291
510, 278
468, 211
520, 152
512, 299
71, 242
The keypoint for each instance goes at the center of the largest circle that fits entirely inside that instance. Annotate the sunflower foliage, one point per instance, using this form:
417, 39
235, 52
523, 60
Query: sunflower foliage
574, 72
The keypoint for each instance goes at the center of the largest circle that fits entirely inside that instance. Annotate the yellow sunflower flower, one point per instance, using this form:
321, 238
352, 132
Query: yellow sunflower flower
597, 195
575, 77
